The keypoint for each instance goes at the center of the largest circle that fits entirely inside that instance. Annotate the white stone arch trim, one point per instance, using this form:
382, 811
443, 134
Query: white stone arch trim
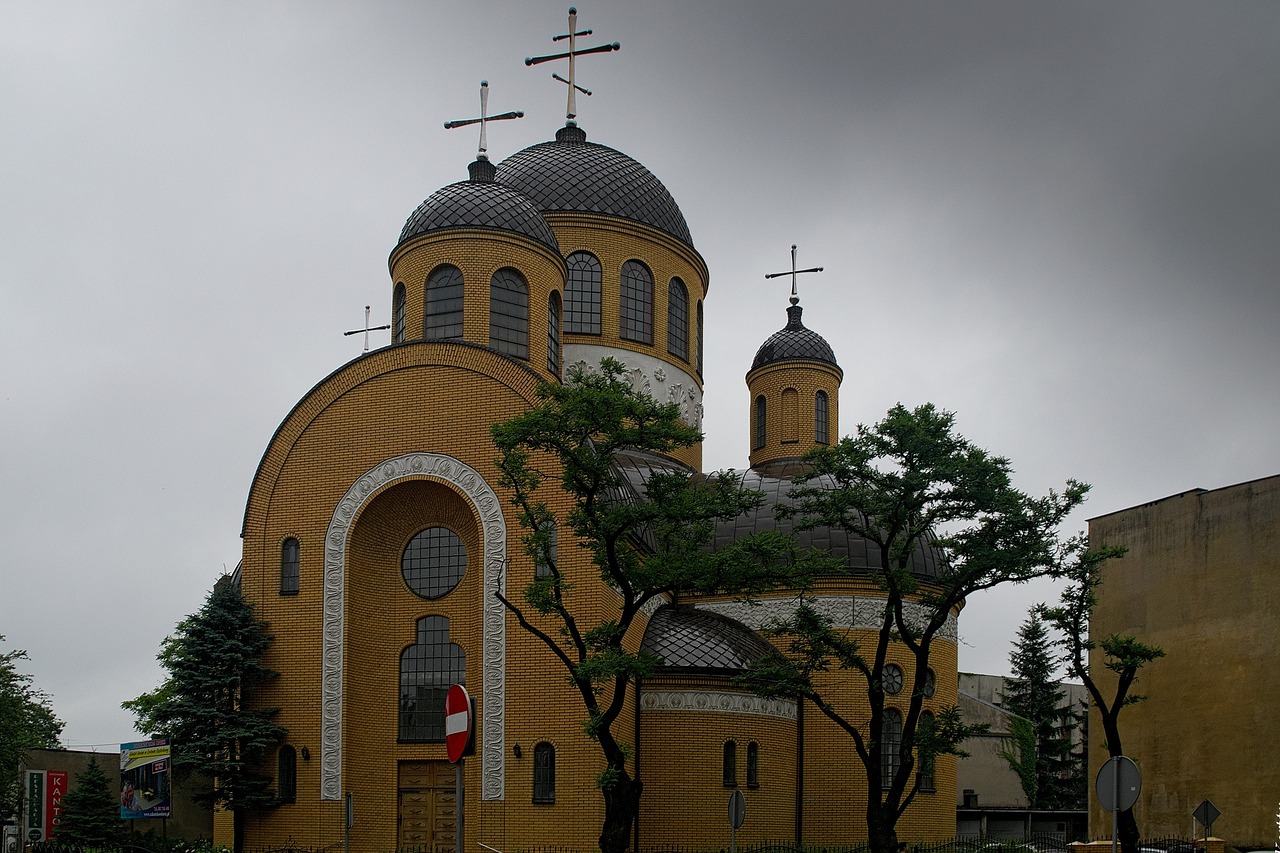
493, 527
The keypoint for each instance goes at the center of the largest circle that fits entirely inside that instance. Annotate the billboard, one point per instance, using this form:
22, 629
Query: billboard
44, 790
144, 779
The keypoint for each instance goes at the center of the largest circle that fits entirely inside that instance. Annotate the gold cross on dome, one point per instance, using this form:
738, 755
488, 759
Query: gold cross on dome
571, 111
793, 273
484, 120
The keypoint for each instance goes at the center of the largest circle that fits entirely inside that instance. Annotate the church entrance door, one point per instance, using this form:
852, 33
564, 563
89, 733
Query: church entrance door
428, 810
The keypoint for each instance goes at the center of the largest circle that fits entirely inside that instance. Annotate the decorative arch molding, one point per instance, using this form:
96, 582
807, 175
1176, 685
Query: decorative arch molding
488, 508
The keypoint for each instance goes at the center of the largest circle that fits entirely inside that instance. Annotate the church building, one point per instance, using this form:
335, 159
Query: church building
376, 536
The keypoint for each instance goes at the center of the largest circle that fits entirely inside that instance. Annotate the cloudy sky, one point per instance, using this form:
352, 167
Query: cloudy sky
1059, 220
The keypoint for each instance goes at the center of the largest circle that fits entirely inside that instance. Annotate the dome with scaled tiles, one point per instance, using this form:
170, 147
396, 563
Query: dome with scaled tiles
794, 343
573, 175
687, 638
479, 203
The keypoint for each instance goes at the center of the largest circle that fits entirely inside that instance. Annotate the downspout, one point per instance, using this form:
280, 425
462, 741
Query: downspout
799, 772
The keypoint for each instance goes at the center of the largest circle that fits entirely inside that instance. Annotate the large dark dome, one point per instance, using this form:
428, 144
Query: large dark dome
685, 638
571, 174
794, 342
479, 203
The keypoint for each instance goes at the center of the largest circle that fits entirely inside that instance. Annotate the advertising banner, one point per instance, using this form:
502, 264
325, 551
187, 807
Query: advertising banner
144, 779
55, 788
35, 806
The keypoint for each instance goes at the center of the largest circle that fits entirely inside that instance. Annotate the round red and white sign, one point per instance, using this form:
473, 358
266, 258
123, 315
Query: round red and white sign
457, 721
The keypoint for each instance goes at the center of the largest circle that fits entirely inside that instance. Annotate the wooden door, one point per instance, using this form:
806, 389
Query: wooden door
428, 811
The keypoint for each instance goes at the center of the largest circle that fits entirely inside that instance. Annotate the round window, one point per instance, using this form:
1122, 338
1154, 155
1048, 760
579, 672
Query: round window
891, 678
434, 562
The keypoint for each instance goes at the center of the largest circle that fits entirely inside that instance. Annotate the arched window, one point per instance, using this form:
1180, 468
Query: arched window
678, 319
729, 765
397, 314
582, 294
444, 304
290, 567
509, 313
553, 334
927, 757
790, 416
434, 562
427, 669
541, 566
636, 307
890, 745
544, 773
758, 440
820, 418
753, 765
287, 774
699, 337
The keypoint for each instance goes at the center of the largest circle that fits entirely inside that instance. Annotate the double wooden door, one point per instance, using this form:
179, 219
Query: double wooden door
428, 811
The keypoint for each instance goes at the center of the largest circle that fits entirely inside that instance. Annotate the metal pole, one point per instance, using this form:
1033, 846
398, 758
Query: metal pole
1115, 804
461, 843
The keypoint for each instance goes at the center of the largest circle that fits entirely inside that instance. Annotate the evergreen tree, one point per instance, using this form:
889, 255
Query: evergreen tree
27, 722
205, 706
1033, 694
90, 811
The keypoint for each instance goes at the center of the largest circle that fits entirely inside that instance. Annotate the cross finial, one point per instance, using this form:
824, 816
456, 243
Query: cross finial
795, 298
484, 120
367, 329
571, 111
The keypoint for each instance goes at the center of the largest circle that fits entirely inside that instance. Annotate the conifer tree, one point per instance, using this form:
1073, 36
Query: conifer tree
1033, 694
27, 722
90, 811
205, 706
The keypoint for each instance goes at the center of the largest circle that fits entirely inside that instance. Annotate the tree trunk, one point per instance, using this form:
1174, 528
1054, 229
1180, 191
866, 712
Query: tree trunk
882, 831
237, 830
621, 802
1129, 834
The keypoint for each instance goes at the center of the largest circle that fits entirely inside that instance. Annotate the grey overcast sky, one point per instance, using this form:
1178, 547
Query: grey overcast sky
1060, 220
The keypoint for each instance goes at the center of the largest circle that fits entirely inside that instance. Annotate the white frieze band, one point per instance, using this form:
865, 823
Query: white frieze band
717, 702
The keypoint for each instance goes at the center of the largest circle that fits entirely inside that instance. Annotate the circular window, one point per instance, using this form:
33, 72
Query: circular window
930, 684
891, 678
433, 562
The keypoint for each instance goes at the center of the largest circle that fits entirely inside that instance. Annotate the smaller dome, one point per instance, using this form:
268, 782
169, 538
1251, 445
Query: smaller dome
794, 343
479, 203
686, 638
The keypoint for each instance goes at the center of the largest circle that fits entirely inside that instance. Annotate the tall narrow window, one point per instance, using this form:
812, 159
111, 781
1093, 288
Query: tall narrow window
729, 765
287, 774
890, 745
790, 416
636, 307
758, 440
290, 568
753, 765
427, 669
582, 294
553, 334
699, 337
678, 319
820, 418
544, 773
397, 314
542, 565
509, 313
444, 304
928, 757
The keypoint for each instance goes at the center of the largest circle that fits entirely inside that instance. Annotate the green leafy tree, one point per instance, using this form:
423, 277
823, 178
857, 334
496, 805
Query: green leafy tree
907, 484
643, 540
27, 722
1033, 693
1122, 655
90, 811
205, 705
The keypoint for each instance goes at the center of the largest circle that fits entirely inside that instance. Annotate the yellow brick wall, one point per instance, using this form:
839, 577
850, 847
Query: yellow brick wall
806, 378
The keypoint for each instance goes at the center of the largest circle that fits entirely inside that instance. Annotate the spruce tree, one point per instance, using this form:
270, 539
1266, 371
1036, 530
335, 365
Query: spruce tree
90, 812
206, 709
1033, 694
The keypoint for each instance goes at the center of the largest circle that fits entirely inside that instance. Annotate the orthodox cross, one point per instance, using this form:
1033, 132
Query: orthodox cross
367, 329
484, 120
571, 112
793, 273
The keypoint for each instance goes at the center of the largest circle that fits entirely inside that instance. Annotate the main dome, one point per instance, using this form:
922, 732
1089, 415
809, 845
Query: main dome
571, 174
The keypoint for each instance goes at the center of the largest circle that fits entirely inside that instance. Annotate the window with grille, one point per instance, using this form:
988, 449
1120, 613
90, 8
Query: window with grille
729, 765
678, 319
636, 304
761, 423
890, 745
287, 774
753, 765
444, 304
434, 562
544, 773
428, 668
290, 567
820, 418
553, 334
397, 314
509, 313
699, 337
582, 294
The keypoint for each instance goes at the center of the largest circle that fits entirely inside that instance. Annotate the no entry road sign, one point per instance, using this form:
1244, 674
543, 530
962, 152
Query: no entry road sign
457, 722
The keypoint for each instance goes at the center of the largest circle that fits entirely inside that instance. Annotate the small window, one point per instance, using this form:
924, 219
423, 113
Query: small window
541, 567
397, 314
636, 306
678, 319
428, 668
820, 418
890, 745
758, 440
753, 765
699, 337
544, 773
582, 294
509, 313
729, 765
444, 304
434, 562
287, 774
930, 684
290, 567
927, 761
891, 678
553, 334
